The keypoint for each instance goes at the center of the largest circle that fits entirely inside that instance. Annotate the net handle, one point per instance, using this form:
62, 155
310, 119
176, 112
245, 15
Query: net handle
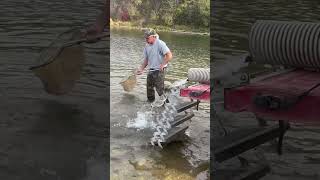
68, 44
79, 41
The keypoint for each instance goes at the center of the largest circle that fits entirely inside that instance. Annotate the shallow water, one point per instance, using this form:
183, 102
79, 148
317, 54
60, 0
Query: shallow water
231, 24
131, 128
45, 136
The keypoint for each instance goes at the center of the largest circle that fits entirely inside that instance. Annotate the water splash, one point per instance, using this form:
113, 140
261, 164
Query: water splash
160, 121
175, 88
179, 83
225, 69
142, 121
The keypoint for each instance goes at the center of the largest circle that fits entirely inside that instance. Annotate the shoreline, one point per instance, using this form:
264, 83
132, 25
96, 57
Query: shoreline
130, 25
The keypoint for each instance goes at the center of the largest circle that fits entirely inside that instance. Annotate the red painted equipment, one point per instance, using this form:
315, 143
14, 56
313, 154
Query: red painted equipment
282, 97
199, 92
292, 96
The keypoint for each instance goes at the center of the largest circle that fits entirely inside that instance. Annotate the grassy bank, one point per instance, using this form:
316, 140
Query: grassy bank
177, 28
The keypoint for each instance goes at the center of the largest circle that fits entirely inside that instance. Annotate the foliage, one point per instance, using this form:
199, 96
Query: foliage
171, 13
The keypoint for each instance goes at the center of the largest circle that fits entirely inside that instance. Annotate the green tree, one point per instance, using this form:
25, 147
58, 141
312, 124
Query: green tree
193, 13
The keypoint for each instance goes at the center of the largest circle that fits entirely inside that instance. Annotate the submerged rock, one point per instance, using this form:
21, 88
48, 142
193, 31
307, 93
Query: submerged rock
141, 164
159, 171
172, 174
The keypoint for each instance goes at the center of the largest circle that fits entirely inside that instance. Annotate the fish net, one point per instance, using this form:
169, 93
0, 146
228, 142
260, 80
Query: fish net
129, 82
59, 67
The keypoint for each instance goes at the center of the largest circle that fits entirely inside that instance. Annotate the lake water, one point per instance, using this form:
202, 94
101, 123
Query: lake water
130, 125
45, 136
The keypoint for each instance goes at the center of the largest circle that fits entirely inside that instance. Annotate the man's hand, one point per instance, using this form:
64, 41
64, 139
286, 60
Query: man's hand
141, 68
139, 71
162, 66
167, 58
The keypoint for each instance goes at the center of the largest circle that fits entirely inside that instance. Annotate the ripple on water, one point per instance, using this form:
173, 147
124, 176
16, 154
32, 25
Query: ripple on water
173, 162
33, 121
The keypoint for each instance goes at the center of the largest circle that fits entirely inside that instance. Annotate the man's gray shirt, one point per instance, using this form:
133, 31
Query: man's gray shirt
154, 53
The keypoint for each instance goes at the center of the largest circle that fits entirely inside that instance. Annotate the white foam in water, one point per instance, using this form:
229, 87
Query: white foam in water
146, 119
179, 83
142, 121
176, 86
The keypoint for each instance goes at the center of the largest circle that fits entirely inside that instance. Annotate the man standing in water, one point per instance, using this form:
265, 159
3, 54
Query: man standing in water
157, 56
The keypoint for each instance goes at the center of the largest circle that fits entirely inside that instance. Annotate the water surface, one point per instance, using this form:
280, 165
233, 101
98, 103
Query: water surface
131, 158
45, 136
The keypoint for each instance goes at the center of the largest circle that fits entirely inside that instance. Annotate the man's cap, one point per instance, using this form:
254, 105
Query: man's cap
150, 32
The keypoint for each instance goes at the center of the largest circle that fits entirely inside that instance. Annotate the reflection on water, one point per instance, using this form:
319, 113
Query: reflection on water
131, 158
232, 22
45, 136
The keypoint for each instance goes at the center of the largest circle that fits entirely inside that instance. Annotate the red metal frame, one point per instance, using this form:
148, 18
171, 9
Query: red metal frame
290, 84
203, 89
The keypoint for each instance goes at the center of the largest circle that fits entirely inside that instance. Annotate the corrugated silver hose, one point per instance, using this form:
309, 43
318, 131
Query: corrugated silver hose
295, 44
199, 75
